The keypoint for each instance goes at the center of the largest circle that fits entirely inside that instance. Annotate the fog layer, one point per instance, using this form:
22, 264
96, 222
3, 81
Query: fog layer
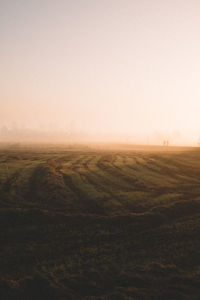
100, 70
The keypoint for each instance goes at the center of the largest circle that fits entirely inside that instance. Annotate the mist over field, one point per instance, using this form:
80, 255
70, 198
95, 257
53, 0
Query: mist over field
71, 135
101, 70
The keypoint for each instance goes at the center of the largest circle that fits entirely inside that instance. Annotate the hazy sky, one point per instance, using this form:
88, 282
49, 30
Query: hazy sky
106, 65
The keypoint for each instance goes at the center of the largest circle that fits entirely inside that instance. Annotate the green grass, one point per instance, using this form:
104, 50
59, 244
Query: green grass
99, 224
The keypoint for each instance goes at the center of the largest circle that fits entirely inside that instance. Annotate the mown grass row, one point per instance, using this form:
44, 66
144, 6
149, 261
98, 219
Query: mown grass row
105, 180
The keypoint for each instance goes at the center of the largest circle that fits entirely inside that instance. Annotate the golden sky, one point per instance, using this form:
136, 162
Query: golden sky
109, 66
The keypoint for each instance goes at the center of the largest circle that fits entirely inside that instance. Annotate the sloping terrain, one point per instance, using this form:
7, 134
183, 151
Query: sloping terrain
88, 224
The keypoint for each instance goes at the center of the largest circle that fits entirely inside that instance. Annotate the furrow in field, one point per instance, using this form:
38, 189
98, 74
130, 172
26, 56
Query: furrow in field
71, 161
104, 180
110, 195
47, 187
131, 173
162, 192
129, 199
90, 187
189, 168
176, 169
79, 163
149, 177
74, 179
169, 179
89, 199
134, 173
19, 178
105, 164
153, 168
77, 178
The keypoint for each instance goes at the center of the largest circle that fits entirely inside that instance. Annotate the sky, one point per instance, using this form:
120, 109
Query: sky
105, 67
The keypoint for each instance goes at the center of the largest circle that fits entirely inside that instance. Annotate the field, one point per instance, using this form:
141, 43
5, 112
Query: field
85, 223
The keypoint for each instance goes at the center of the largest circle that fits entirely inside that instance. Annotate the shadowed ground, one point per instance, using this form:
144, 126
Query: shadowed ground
99, 224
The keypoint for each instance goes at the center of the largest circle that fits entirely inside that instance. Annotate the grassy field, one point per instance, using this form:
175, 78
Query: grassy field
83, 223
